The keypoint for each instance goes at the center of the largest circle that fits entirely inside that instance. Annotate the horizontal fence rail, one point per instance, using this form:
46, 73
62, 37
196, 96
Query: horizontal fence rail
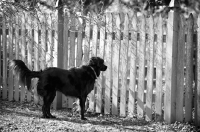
144, 61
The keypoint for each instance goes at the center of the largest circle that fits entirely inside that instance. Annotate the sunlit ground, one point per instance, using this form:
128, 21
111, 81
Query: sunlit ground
22, 117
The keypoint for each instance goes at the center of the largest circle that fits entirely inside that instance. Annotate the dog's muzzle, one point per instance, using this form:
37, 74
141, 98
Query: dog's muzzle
103, 68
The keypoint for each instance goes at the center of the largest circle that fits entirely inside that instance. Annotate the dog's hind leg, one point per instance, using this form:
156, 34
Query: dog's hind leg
48, 99
51, 98
82, 105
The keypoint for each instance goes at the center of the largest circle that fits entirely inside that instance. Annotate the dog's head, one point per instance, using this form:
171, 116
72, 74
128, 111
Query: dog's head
98, 64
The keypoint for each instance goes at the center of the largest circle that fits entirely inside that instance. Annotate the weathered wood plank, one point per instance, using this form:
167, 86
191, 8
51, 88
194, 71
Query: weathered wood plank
23, 53
16, 81
4, 43
86, 42
171, 61
43, 43
115, 64
94, 53
100, 53
1, 65
150, 70
133, 56
36, 58
197, 81
180, 71
141, 78
51, 30
29, 50
124, 66
49, 55
108, 73
159, 69
65, 52
189, 70
72, 52
58, 52
79, 51
10, 43
66, 41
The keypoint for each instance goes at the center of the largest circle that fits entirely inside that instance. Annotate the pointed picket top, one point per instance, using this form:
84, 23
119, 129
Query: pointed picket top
134, 21
191, 19
126, 22
174, 3
118, 22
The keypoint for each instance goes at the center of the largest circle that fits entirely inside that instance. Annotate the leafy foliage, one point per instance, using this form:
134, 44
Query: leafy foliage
161, 6
96, 6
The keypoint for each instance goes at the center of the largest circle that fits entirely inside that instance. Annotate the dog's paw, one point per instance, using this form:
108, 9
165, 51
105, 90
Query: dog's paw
45, 117
83, 118
51, 116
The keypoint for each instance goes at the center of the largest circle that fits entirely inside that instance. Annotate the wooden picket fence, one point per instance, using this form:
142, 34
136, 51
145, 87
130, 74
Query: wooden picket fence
150, 61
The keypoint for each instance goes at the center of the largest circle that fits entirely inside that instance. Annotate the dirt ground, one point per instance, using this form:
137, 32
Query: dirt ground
26, 117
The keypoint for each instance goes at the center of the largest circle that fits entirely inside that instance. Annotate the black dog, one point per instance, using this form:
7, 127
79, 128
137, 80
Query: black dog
76, 82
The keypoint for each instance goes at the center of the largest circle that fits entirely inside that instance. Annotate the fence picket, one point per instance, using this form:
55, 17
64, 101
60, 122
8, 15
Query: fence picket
65, 52
36, 58
29, 50
124, 66
108, 50
171, 69
150, 71
115, 64
23, 53
141, 78
133, 55
51, 30
55, 52
180, 71
58, 57
72, 53
49, 42
79, 50
86, 46
197, 81
86, 42
4, 43
1, 64
159, 69
10, 43
100, 53
94, 53
16, 81
189, 70
43, 43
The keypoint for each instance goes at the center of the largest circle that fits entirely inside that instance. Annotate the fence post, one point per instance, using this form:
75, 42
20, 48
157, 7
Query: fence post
171, 60
197, 80
180, 71
58, 99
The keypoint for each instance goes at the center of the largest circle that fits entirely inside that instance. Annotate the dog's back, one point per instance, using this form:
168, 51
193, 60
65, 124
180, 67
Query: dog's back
70, 82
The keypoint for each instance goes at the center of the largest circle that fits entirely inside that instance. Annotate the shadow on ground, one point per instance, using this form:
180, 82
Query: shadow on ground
19, 116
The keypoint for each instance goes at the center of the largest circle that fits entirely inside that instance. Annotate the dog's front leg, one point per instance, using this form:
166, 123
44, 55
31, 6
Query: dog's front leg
82, 105
44, 112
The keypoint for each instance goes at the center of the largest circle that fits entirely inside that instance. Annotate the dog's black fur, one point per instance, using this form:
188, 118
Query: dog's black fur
76, 82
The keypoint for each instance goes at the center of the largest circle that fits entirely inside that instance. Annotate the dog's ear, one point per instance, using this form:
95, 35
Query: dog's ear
93, 61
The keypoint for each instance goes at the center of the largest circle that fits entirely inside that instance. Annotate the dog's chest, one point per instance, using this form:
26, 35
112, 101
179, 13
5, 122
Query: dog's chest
89, 87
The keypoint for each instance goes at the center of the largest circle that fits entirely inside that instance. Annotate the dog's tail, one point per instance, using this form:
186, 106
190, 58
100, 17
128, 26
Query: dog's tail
23, 73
